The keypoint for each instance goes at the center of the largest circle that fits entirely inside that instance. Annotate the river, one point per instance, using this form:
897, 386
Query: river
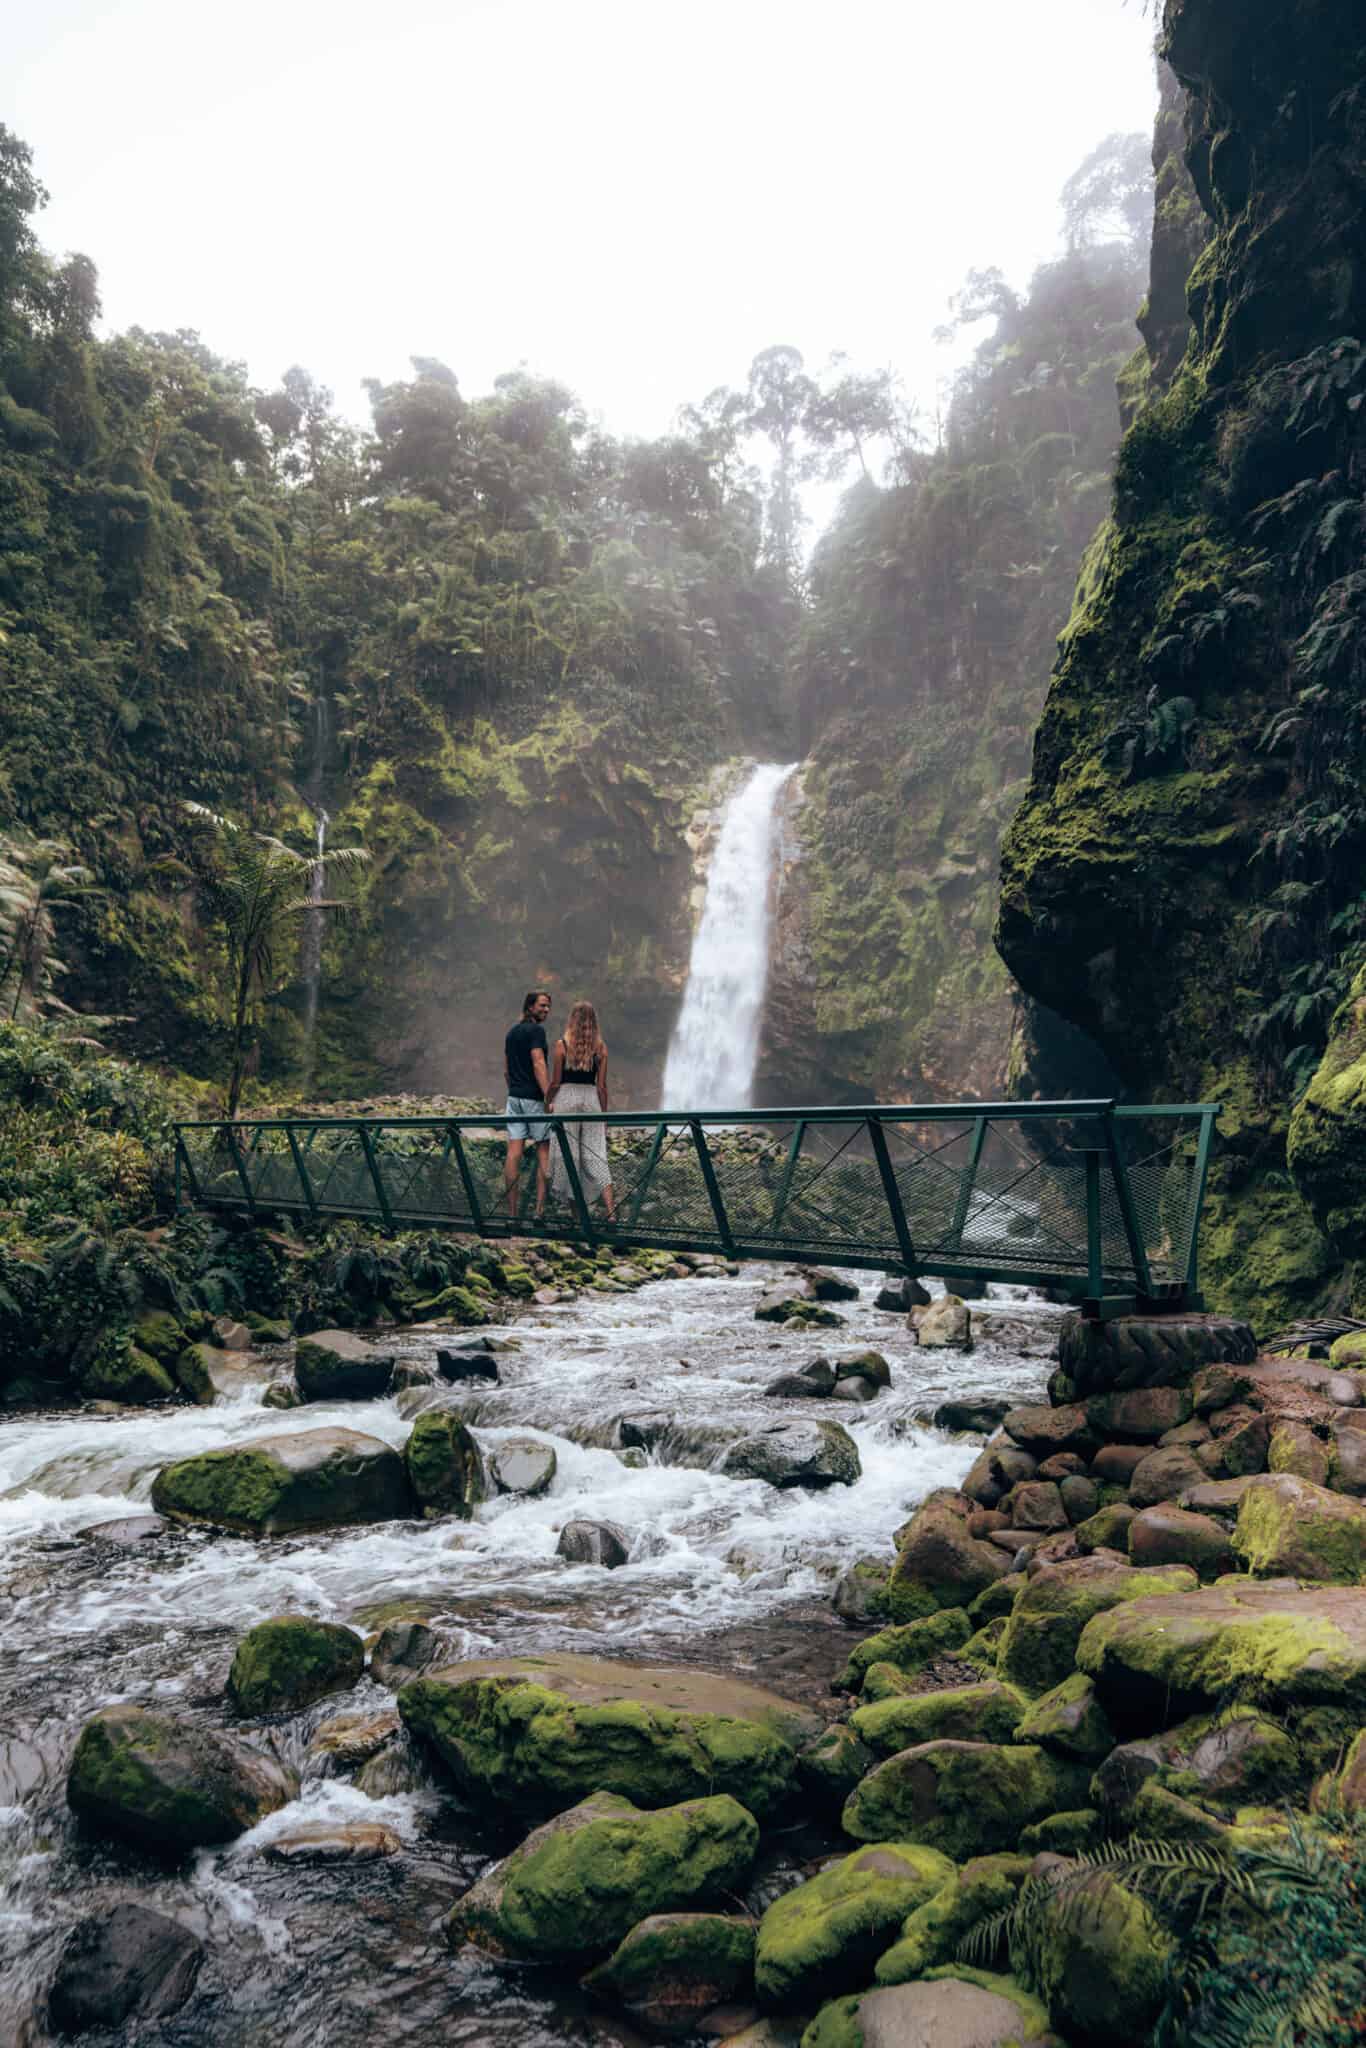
731, 1573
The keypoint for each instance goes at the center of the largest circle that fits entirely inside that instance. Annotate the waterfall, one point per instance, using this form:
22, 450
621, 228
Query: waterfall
313, 941
715, 1045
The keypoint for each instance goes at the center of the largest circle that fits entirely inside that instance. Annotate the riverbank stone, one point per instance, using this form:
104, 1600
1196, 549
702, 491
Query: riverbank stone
337, 1365
1289, 1527
985, 1712
806, 1453
582, 1880
964, 1798
952, 2007
1167, 1534
445, 1469
1070, 1721
120, 1371
292, 1660
273, 1486
1047, 1620
941, 1564
1148, 1351
909, 1647
672, 1968
1161, 1660
168, 1783
824, 1936
931, 1935
1101, 1956
123, 1963
533, 1733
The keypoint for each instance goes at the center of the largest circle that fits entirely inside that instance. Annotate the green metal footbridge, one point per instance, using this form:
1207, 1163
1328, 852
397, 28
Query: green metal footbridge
1098, 1200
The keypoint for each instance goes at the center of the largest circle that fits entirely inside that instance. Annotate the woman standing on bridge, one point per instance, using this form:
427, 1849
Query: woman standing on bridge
578, 1086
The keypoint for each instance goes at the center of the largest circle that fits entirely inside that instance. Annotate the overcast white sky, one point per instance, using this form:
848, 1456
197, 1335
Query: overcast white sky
632, 195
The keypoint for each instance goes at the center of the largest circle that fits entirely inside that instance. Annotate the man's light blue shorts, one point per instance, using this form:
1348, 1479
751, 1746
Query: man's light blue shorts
527, 1118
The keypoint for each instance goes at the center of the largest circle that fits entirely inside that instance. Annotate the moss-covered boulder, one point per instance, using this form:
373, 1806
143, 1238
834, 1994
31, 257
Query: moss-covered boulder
337, 1365
1100, 1956
580, 1882
119, 1370
985, 1886
272, 1486
1040, 1641
953, 2007
908, 1648
941, 1564
986, 1712
1158, 1661
674, 1967
1290, 1528
1107, 1529
533, 1732
830, 1767
193, 1374
1070, 1721
159, 1334
290, 1661
825, 1936
445, 1469
168, 1783
965, 1798
1326, 1149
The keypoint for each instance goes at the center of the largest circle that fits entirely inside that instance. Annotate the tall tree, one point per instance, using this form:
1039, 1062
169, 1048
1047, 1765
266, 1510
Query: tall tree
780, 394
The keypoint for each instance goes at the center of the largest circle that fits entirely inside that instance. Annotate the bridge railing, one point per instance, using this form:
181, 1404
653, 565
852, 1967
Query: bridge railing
1098, 1199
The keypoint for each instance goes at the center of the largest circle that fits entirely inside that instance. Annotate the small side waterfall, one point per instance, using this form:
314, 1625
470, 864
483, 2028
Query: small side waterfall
715, 1045
312, 962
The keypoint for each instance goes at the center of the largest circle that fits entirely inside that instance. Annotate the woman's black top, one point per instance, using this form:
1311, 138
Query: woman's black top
585, 1076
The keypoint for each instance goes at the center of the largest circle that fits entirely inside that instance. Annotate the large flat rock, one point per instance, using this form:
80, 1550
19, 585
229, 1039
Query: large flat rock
538, 1733
1156, 1661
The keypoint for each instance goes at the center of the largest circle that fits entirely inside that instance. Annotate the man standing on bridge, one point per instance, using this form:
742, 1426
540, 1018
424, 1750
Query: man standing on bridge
524, 1063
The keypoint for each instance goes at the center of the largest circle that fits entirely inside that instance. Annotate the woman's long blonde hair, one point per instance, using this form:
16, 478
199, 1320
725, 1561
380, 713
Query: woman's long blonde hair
582, 1039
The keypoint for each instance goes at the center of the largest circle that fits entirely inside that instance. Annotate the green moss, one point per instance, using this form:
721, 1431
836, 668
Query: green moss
909, 1648
710, 1955
1046, 1623
445, 1469
826, 1934
967, 1713
1070, 1720
157, 1332
984, 1648
290, 1661
193, 1376
964, 1798
119, 1371
537, 1749
150, 1778
831, 1766
1289, 1526
1100, 1965
934, 1932
1063, 1834
1228, 1648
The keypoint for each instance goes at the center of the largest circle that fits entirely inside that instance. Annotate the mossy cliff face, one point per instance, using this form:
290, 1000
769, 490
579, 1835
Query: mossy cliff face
1178, 881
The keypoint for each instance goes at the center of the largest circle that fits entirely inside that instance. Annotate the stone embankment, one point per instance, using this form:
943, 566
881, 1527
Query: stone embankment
1142, 1618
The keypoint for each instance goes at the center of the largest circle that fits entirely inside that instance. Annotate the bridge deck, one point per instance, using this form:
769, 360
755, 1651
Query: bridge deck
1097, 1199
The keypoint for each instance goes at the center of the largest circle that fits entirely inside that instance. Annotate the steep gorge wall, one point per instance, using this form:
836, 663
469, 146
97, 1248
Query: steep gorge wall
1183, 880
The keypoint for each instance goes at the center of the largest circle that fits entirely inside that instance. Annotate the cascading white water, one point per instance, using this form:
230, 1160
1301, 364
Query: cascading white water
313, 938
715, 1044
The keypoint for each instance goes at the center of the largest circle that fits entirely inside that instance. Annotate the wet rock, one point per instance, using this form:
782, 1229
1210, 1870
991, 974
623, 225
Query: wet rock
467, 1365
784, 1305
282, 1394
193, 1373
828, 1286
865, 1365
862, 1590
349, 1740
936, 1930
126, 1532
796, 1454
600, 1543
404, 1650
985, 1712
532, 1732
522, 1464
955, 2009
964, 1798
1290, 1527
1070, 1721
908, 1648
944, 1324
899, 1294
1167, 1534
674, 1967
815, 1380
445, 1469
1148, 1351
825, 1935
272, 1486
977, 1414
939, 1564
230, 1335
1284, 1646
120, 1372
322, 1841
166, 1782
336, 1365
1047, 1621
856, 1391
412, 1372
1349, 1460
290, 1661
123, 1963
1045, 1430
1162, 1476
1062, 1465
630, 1863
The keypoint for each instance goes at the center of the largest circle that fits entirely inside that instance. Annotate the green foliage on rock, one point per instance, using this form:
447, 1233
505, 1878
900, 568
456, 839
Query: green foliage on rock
318, 1479
290, 1661
445, 1469
964, 1798
167, 1783
825, 1935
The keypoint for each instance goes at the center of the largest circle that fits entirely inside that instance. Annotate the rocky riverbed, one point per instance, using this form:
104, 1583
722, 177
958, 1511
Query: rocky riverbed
323, 1918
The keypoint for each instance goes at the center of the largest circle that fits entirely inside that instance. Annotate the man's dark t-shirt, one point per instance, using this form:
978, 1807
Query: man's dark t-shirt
518, 1046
